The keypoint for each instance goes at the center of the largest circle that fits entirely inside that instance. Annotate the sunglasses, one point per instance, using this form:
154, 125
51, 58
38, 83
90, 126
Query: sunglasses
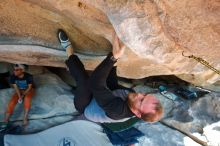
17, 69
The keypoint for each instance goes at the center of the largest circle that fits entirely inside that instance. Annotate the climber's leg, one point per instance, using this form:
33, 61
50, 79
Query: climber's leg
83, 95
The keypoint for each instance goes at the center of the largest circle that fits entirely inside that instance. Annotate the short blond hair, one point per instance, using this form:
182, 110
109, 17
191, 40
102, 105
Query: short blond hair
153, 117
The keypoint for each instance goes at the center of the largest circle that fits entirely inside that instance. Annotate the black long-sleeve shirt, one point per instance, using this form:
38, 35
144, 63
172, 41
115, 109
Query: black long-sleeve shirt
114, 107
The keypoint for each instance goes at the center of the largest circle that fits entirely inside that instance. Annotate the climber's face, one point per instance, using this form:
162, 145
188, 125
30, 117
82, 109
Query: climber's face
142, 104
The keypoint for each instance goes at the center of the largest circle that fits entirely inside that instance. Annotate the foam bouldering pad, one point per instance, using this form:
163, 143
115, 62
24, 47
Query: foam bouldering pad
75, 133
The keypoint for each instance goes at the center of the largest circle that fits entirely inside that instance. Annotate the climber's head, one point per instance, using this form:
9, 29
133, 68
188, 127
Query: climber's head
19, 69
145, 106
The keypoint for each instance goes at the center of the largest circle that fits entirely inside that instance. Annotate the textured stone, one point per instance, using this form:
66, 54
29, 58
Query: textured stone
212, 133
155, 33
200, 113
196, 117
5, 67
159, 135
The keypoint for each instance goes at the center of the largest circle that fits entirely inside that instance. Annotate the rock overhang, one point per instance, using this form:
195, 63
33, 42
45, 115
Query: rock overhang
155, 33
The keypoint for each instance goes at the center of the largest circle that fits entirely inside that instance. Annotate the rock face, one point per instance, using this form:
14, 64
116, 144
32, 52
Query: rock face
52, 98
155, 33
199, 118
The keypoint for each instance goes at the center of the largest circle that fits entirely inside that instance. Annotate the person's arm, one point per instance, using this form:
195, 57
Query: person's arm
113, 106
12, 82
28, 89
17, 90
101, 72
30, 85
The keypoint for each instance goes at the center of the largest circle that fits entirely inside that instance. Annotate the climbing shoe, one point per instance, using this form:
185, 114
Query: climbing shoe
63, 38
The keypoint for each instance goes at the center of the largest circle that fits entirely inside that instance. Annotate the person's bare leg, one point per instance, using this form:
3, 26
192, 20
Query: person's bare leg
25, 119
7, 117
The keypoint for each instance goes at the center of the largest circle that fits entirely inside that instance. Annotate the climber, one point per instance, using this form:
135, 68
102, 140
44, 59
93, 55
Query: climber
22, 82
100, 97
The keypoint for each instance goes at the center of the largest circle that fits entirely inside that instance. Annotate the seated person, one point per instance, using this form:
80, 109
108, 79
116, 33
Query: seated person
99, 97
22, 82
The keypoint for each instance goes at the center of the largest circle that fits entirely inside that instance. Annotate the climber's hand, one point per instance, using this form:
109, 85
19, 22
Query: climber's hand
118, 47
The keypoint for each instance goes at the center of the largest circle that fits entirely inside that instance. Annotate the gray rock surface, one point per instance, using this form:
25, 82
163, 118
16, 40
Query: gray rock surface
159, 135
53, 105
190, 116
53, 97
212, 134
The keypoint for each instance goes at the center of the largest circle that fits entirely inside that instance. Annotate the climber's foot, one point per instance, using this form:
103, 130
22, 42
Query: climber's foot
65, 43
63, 38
